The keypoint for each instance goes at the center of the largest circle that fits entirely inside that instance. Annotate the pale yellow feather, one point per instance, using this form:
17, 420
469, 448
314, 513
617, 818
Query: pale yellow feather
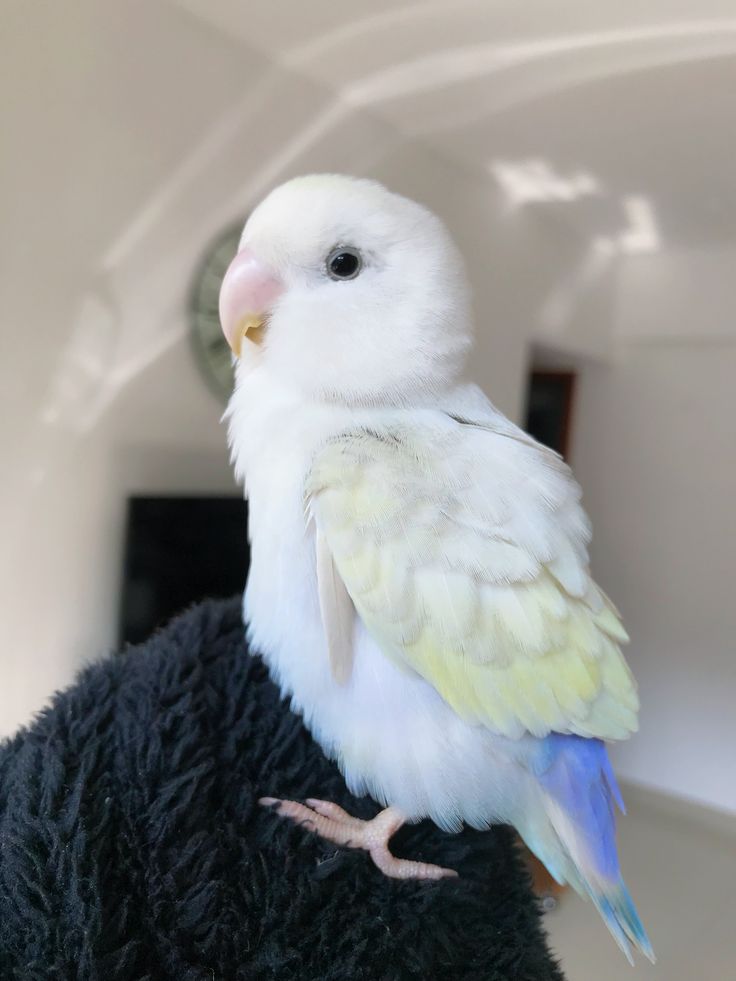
480, 586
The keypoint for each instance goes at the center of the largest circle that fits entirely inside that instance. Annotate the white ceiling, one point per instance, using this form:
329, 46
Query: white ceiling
617, 118
598, 102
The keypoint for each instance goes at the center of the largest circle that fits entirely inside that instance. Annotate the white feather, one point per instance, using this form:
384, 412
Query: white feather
337, 610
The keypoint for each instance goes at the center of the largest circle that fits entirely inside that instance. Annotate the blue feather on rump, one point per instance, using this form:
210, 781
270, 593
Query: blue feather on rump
576, 775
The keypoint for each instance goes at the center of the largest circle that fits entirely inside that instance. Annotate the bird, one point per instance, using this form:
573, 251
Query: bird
419, 583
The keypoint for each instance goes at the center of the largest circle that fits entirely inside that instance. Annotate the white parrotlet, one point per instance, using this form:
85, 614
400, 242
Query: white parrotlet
419, 581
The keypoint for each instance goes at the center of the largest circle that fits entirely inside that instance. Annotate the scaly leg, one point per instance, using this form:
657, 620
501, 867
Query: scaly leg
333, 823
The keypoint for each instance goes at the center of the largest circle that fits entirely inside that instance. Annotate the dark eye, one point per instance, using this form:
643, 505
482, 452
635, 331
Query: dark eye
344, 263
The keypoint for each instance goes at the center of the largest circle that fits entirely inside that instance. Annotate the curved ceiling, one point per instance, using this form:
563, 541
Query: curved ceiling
616, 117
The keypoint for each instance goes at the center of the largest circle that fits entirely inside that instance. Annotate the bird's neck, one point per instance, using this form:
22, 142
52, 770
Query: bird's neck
263, 402
272, 426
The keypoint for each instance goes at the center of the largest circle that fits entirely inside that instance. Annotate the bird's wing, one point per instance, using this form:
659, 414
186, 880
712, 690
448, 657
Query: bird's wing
464, 551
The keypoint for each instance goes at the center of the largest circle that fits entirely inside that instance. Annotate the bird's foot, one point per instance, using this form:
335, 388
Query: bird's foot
333, 823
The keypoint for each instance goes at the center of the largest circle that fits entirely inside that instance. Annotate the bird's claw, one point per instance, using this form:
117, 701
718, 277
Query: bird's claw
334, 824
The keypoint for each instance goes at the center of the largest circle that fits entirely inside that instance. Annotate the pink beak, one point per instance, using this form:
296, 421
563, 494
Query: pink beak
248, 291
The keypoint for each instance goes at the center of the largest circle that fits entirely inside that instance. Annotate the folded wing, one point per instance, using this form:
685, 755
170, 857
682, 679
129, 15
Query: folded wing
464, 551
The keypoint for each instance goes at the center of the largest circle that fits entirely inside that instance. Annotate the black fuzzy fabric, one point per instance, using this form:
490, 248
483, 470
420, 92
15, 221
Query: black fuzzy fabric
132, 846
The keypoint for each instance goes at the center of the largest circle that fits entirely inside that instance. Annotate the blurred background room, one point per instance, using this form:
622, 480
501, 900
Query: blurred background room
583, 156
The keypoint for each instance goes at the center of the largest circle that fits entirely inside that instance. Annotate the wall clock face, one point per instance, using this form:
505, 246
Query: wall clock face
210, 347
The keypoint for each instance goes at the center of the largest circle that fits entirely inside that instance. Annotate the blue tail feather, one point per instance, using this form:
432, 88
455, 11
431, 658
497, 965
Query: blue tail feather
580, 787
620, 916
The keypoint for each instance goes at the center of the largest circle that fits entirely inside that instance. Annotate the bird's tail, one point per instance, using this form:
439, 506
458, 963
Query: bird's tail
579, 791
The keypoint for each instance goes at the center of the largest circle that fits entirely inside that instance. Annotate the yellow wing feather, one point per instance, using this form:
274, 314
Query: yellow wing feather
465, 556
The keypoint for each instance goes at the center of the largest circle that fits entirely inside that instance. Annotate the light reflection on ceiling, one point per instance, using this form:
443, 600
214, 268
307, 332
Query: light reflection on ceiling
639, 236
535, 181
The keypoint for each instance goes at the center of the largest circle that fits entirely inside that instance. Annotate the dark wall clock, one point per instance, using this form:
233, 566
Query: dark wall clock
210, 347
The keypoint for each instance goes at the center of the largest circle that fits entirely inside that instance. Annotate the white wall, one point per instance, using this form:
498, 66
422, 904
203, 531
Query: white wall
88, 134
655, 451
116, 175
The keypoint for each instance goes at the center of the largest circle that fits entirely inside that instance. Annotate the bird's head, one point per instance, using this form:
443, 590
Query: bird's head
347, 292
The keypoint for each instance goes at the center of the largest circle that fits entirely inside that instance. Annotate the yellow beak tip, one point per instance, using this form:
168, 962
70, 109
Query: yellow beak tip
250, 324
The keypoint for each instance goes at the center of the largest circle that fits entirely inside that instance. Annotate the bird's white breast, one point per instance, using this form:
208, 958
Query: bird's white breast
392, 734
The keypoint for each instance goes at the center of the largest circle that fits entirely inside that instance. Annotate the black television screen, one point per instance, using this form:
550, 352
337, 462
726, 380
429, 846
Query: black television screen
179, 550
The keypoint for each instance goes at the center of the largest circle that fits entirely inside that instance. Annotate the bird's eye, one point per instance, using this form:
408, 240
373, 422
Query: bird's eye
344, 263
